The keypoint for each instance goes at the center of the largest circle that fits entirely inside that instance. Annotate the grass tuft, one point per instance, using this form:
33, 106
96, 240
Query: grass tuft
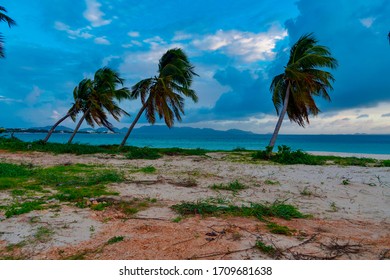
259, 211
234, 186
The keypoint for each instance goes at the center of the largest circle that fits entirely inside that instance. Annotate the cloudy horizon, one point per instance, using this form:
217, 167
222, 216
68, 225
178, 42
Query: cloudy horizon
237, 47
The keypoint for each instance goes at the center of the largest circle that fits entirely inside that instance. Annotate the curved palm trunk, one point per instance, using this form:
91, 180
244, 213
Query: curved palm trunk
54, 127
279, 123
132, 125
78, 126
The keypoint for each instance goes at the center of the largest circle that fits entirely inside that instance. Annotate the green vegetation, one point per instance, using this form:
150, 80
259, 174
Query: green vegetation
164, 95
234, 186
177, 219
43, 234
268, 249
142, 153
259, 211
287, 156
148, 169
303, 79
35, 186
346, 182
115, 239
21, 208
278, 229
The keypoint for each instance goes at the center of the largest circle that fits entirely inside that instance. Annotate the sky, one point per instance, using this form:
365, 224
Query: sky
237, 47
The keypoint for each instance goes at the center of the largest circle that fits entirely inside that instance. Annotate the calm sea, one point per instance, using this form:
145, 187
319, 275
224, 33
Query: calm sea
365, 144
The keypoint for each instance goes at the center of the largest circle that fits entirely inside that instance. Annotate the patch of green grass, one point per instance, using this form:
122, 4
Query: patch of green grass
14, 170
279, 229
234, 186
259, 211
70, 182
345, 182
267, 249
18, 192
115, 239
148, 169
285, 155
43, 234
142, 153
177, 219
183, 152
386, 163
21, 208
99, 206
271, 182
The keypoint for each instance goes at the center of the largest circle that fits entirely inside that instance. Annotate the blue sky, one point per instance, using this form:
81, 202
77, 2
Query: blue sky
236, 47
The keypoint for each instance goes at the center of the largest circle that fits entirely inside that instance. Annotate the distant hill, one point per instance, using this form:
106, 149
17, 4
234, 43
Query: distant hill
152, 130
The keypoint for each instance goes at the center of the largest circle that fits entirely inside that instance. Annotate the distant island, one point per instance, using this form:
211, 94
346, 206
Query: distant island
144, 130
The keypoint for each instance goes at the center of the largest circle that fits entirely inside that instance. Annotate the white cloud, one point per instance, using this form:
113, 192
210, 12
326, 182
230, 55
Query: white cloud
132, 44
133, 34
367, 22
9, 100
73, 34
94, 15
182, 36
143, 64
248, 46
55, 115
108, 59
102, 41
33, 96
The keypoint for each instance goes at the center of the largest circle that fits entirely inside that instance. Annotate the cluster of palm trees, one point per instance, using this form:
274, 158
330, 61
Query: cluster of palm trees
293, 91
162, 95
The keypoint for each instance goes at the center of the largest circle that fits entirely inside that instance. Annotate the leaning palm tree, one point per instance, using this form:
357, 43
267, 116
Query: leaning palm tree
98, 96
10, 22
303, 79
72, 112
163, 95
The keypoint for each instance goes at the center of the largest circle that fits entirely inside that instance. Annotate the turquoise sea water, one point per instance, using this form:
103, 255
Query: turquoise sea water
364, 144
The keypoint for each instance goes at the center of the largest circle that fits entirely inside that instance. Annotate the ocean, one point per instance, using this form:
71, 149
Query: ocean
363, 144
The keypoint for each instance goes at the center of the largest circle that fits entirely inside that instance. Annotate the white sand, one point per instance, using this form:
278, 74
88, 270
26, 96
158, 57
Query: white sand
374, 156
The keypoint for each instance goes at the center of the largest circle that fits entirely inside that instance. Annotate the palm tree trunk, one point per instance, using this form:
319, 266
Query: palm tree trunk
279, 123
132, 125
78, 126
54, 127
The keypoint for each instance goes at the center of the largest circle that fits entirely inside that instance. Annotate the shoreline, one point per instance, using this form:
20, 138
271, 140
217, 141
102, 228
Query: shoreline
344, 154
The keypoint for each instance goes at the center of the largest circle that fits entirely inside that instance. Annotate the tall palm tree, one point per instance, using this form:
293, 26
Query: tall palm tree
303, 79
10, 22
98, 97
164, 94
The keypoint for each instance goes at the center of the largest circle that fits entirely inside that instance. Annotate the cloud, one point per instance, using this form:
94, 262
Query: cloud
367, 22
249, 46
133, 34
102, 41
94, 15
339, 26
364, 116
73, 34
9, 100
385, 115
33, 96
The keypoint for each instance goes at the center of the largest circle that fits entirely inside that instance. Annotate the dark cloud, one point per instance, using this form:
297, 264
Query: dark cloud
362, 116
385, 115
248, 95
362, 51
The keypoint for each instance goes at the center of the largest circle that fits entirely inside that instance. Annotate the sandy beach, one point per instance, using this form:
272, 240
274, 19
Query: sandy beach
348, 210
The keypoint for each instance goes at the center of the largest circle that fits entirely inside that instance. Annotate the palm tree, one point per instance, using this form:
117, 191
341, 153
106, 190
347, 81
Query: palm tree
10, 22
163, 94
303, 79
98, 97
